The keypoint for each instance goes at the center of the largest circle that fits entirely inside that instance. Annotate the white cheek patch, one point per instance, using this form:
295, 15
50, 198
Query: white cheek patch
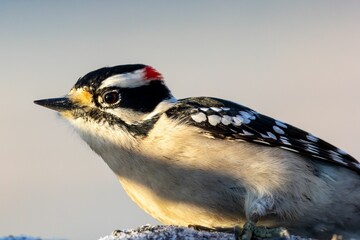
126, 80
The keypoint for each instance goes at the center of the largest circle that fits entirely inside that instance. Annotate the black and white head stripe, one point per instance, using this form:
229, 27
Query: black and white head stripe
224, 119
123, 76
136, 87
137, 78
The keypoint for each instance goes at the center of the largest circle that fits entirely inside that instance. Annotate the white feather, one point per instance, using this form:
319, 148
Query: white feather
126, 80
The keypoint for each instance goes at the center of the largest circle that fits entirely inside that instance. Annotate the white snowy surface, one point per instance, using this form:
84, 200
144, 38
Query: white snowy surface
170, 232
23, 237
165, 232
20, 238
159, 232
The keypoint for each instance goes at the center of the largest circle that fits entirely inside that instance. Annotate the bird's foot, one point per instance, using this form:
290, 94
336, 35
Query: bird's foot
249, 231
215, 229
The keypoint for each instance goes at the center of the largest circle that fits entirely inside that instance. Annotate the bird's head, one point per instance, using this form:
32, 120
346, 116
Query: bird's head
120, 97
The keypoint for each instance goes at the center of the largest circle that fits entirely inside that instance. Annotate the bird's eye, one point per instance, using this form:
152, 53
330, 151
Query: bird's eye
111, 97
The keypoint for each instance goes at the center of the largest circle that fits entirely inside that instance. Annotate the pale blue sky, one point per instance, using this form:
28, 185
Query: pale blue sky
296, 61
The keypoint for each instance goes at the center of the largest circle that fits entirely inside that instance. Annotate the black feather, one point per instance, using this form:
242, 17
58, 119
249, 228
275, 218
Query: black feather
257, 128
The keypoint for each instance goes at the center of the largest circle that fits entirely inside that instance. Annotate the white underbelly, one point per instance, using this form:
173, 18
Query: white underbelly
174, 212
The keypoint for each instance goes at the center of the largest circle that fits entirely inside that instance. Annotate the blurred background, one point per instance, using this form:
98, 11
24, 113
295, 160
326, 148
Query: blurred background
295, 61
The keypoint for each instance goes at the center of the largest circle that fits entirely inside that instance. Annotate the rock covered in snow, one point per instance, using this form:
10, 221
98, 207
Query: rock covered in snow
19, 238
164, 233
161, 232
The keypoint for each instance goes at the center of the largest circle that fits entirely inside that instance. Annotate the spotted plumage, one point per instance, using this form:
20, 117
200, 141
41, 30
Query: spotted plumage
224, 119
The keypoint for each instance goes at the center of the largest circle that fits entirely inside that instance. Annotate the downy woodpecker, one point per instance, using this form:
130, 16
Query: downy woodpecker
208, 161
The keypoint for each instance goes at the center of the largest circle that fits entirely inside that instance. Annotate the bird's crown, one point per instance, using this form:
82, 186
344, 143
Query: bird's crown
124, 76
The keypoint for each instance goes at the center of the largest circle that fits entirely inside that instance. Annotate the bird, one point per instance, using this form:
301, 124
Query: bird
211, 162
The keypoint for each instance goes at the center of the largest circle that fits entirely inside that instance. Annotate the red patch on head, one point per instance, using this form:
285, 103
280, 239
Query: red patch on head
151, 74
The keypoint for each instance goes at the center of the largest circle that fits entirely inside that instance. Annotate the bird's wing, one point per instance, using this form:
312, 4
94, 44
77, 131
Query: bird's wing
228, 120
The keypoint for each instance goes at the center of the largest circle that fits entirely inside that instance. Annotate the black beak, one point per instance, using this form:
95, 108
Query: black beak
57, 104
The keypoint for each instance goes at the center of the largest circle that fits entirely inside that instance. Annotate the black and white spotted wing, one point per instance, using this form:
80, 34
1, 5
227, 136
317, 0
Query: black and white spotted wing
225, 119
